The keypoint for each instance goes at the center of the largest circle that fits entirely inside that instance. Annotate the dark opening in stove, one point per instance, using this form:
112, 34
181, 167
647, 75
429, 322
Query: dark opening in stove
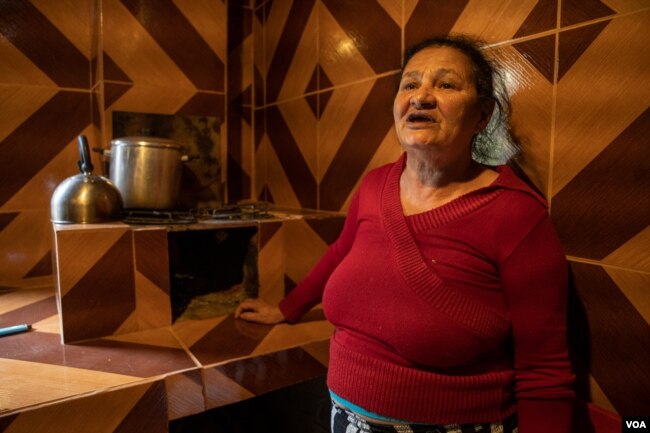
211, 271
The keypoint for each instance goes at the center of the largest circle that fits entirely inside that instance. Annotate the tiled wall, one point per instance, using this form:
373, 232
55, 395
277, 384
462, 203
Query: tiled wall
65, 67
306, 89
323, 76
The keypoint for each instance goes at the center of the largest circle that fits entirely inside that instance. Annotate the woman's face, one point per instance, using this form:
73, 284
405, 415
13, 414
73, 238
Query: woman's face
436, 108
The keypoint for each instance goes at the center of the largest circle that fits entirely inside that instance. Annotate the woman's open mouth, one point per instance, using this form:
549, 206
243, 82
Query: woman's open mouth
419, 118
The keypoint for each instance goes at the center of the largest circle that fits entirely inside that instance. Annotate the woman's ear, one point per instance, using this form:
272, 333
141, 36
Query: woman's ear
487, 108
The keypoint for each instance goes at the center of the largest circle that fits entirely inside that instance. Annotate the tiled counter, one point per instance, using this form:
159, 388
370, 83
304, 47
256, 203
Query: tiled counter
139, 372
136, 382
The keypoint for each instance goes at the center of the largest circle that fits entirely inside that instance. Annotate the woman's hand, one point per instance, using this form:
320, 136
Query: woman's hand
259, 311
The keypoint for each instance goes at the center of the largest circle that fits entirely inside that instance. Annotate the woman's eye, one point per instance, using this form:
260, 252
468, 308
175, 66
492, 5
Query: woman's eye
409, 85
447, 86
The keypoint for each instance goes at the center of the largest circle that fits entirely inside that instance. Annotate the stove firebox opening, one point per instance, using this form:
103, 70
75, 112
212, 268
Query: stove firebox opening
211, 271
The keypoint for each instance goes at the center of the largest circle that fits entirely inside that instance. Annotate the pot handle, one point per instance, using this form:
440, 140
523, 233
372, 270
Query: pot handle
188, 158
85, 164
102, 151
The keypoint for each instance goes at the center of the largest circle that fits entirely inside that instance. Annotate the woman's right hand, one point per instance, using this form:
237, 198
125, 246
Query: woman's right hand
259, 311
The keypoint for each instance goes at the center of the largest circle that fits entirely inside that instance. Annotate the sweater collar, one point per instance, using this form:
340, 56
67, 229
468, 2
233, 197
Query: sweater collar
419, 276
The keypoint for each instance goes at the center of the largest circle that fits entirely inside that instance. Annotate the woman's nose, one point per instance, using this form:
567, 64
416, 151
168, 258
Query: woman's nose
423, 98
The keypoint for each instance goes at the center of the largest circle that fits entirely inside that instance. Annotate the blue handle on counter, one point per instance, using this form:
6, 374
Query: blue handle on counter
9, 330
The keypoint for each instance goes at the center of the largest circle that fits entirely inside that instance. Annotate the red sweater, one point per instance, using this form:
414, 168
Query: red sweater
455, 315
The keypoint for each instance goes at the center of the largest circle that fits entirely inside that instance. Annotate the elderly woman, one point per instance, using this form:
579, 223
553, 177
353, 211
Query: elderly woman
447, 286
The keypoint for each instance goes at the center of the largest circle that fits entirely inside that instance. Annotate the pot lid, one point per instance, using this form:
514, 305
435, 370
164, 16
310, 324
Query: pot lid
147, 142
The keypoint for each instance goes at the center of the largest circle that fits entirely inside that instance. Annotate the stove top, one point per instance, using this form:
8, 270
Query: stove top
232, 212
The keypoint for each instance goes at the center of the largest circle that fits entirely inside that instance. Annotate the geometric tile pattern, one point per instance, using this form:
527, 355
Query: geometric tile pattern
240, 88
66, 66
138, 381
306, 87
329, 79
111, 281
612, 334
578, 73
135, 409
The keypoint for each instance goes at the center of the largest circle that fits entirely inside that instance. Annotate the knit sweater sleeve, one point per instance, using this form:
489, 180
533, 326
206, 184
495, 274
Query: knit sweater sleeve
535, 280
309, 292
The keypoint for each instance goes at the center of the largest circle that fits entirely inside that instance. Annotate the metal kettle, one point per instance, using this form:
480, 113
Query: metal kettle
85, 198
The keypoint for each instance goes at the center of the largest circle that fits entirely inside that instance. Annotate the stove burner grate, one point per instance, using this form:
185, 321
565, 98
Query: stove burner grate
237, 212
158, 217
234, 212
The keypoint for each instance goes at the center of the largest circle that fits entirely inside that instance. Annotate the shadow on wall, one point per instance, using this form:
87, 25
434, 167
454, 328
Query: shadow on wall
587, 417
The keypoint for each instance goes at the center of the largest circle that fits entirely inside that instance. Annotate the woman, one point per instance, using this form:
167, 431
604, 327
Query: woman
447, 286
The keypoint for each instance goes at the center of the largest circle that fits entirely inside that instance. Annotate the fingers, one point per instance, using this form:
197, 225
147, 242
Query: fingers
246, 305
259, 311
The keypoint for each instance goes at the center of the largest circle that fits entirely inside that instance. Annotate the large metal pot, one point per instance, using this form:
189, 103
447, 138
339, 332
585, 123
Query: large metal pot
85, 198
147, 171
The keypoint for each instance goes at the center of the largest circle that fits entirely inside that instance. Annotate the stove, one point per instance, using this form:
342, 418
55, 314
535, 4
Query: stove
143, 216
248, 211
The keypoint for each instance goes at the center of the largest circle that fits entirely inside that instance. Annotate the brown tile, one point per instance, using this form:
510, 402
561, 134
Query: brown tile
420, 21
573, 44
303, 247
373, 120
24, 243
490, 20
607, 204
151, 58
291, 129
185, 394
271, 261
577, 11
274, 371
528, 69
587, 121
221, 390
286, 23
108, 356
267, 231
239, 161
231, 338
612, 339
381, 50
210, 20
113, 92
340, 60
634, 286
184, 45
149, 413
6, 421
44, 44
328, 229
240, 56
26, 150
204, 104
103, 298
112, 71
540, 53
542, 18
78, 250
134, 409
632, 254
151, 257
6, 218
30, 313
74, 20
43, 267
312, 328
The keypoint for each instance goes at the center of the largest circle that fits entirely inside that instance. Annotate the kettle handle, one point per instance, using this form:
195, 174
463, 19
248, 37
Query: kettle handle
85, 164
